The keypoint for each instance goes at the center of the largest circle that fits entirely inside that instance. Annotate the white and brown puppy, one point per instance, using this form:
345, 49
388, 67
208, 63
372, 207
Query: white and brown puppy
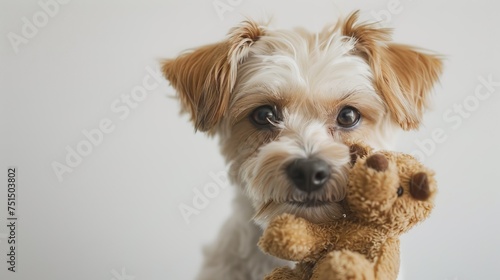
283, 104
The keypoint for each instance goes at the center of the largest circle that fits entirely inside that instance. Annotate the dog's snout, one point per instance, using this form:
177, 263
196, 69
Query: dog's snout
308, 174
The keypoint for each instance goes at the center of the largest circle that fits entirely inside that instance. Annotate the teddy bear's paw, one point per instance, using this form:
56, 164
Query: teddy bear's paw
344, 265
288, 237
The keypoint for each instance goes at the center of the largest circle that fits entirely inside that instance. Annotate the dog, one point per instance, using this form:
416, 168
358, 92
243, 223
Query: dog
284, 104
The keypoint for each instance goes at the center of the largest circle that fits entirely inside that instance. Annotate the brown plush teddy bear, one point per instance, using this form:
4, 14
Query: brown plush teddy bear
388, 194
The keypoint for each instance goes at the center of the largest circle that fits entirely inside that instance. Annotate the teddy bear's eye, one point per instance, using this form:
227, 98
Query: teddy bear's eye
400, 191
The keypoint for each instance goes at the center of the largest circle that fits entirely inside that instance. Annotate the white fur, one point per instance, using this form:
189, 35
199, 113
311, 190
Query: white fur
283, 60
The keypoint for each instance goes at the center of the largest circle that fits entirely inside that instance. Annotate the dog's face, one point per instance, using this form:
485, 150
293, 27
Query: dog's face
284, 104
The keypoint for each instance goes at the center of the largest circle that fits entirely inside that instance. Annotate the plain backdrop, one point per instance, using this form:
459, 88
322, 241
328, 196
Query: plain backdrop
116, 215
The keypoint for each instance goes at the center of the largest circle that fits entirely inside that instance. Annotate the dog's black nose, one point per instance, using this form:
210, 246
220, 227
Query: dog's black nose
308, 174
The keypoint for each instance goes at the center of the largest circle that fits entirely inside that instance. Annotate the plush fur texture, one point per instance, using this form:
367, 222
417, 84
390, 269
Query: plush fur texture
388, 193
307, 78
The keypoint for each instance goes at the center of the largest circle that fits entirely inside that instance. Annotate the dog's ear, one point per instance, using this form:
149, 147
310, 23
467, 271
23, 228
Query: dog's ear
403, 75
205, 77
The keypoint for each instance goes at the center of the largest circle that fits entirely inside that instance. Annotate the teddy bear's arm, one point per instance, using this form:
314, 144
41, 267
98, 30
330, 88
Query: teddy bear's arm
292, 238
387, 264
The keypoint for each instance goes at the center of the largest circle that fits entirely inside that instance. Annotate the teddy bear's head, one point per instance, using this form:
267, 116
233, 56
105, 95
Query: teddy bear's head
390, 190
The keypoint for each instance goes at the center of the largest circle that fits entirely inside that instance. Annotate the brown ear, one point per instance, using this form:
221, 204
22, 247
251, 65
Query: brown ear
205, 77
403, 75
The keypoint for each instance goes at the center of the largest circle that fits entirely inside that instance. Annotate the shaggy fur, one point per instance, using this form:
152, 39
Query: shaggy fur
307, 78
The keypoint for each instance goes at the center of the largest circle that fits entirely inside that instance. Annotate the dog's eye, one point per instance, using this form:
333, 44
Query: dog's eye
400, 191
348, 117
264, 115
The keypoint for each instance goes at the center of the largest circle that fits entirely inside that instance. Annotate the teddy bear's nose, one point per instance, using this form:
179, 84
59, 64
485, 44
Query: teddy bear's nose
308, 174
419, 186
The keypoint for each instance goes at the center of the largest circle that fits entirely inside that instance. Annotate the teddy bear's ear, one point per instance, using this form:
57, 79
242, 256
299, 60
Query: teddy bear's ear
378, 162
358, 150
419, 186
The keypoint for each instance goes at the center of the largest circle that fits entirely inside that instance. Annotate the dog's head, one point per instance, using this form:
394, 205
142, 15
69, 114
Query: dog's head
283, 104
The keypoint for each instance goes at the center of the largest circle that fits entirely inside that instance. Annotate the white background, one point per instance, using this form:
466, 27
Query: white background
118, 210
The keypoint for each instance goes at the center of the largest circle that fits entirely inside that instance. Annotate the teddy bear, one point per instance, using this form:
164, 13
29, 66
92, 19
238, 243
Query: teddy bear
388, 193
